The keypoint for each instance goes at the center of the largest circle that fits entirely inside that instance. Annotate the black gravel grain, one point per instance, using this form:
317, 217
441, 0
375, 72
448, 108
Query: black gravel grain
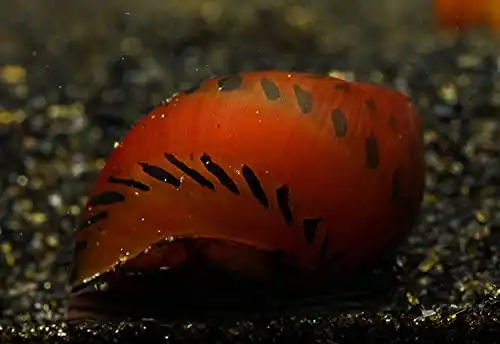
64, 102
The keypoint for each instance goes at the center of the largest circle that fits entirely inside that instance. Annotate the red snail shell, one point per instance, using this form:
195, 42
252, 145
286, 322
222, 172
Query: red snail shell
257, 173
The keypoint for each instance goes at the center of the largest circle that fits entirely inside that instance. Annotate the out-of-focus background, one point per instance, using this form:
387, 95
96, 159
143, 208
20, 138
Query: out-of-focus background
75, 75
80, 31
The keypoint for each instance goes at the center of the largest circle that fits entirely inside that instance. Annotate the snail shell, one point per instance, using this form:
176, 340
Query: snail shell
272, 175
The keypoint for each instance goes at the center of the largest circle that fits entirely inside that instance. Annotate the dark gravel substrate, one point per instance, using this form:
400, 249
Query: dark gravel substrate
64, 101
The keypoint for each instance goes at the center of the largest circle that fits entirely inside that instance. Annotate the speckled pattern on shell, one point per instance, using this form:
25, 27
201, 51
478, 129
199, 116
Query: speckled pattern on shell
65, 99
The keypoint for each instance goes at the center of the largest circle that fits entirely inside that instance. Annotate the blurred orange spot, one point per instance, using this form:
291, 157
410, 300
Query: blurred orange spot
467, 14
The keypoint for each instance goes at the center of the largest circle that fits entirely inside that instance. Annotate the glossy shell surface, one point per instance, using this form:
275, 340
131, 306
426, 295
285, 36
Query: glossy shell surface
316, 167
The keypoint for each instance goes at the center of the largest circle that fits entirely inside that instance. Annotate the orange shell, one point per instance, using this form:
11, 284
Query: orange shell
312, 166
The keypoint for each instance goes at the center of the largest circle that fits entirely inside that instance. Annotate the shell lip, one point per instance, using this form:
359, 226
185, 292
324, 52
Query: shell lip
200, 286
81, 285
189, 294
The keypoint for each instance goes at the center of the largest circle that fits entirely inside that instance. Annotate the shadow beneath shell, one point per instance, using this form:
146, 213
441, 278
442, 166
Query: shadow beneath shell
195, 293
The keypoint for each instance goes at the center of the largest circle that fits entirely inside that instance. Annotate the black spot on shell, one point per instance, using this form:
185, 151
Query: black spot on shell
230, 83
310, 229
396, 184
370, 104
271, 90
192, 173
129, 183
160, 174
106, 198
283, 198
339, 121
304, 99
219, 173
372, 152
255, 185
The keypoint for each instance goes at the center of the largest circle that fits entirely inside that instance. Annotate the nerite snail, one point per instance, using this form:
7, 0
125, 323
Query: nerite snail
271, 175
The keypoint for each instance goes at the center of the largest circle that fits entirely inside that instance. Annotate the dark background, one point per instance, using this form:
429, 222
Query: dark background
75, 75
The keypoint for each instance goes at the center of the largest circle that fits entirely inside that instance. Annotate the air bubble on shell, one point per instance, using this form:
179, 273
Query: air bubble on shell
124, 257
171, 98
88, 279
